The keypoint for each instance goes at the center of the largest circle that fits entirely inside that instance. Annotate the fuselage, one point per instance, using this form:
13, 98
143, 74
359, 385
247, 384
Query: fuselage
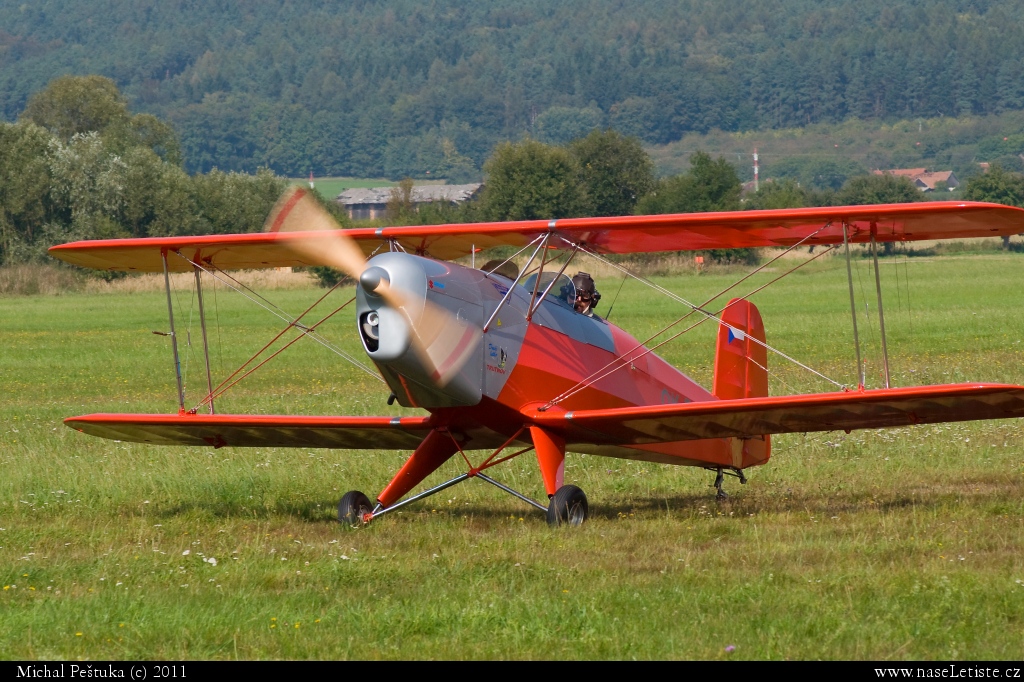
527, 356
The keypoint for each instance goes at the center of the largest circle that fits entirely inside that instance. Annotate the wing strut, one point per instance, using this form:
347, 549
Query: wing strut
536, 303
853, 306
543, 239
202, 322
881, 315
174, 338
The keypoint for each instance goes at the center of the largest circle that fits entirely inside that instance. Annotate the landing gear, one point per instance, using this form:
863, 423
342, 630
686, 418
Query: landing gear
721, 494
353, 507
720, 478
568, 505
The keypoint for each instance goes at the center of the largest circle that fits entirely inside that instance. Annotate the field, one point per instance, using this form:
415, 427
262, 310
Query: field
899, 544
329, 188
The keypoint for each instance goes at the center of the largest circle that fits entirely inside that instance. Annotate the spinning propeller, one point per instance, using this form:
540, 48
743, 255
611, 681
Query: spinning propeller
441, 340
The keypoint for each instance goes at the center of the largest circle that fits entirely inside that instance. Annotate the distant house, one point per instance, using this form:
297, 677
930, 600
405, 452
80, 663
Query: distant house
922, 179
370, 203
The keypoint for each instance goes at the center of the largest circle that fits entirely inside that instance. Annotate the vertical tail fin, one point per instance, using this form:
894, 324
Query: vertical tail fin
741, 364
741, 371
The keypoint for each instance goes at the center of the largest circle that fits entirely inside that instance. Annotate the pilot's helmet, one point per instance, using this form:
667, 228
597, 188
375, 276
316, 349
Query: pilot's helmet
586, 289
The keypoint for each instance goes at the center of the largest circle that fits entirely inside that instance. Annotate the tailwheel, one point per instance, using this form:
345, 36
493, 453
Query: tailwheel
353, 508
568, 505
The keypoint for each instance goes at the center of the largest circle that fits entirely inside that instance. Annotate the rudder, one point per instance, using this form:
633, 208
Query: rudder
741, 371
741, 364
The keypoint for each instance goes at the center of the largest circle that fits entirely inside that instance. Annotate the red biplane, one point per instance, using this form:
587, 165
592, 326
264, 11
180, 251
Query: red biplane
500, 358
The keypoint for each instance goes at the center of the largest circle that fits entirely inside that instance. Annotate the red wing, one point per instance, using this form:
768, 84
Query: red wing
627, 234
367, 433
788, 414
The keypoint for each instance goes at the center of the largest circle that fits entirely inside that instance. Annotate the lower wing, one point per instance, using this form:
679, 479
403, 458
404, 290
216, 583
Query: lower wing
750, 417
369, 433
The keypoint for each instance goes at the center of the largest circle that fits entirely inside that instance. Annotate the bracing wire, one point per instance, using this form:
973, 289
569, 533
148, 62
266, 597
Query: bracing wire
625, 358
274, 310
619, 291
516, 254
188, 335
225, 385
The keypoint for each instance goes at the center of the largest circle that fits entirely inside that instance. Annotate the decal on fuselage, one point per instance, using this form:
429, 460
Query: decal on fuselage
671, 397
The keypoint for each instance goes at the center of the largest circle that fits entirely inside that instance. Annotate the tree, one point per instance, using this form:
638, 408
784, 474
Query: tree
640, 117
24, 186
711, 185
559, 125
614, 169
76, 105
998, 186
72, 105
149, 131
400, 206
878, 189
159, 197
781, 194
531, 180
816, 172
236, 202
88, 186
121, 179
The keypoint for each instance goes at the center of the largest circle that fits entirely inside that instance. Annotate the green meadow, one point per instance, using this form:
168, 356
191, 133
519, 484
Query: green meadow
890, 544
330, 188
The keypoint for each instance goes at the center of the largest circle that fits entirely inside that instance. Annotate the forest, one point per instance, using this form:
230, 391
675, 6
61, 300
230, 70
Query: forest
402, 88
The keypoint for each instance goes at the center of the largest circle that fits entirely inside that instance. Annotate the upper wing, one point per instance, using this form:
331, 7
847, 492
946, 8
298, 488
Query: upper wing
369, 433
627, 234
750, 417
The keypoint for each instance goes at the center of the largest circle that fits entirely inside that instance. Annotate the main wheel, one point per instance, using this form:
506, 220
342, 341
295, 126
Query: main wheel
352, 507
569, 505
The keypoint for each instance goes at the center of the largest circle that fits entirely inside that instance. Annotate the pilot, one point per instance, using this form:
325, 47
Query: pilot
586, 294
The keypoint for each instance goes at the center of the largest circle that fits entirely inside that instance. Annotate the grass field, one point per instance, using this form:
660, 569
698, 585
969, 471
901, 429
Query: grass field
898, 544
329, 188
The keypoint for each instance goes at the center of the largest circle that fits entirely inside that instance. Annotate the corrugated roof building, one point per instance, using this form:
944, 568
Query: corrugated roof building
371, 202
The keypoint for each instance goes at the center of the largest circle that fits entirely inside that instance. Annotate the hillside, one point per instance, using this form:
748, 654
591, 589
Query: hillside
396, 88
824, 156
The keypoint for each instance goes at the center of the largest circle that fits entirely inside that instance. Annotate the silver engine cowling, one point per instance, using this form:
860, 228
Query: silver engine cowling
388, 337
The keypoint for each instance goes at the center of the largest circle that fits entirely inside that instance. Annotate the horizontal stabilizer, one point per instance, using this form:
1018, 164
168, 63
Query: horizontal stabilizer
355, 433
749, 417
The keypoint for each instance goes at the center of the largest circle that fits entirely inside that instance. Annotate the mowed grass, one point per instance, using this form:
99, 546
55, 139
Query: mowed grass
898, 544
330, 188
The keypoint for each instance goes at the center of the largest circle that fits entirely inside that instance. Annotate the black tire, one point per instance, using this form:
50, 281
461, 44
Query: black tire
568, 506
351, 508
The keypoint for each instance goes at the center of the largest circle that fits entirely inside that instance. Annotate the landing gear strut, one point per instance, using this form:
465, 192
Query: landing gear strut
720, 478
568, 504
721, 494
